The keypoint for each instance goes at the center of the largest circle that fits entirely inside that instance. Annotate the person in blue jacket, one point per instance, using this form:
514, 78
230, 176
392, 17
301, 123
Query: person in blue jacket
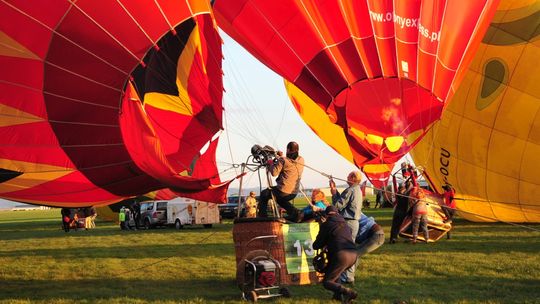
318, 205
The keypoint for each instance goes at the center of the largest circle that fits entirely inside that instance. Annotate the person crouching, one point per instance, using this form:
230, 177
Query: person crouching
335, 235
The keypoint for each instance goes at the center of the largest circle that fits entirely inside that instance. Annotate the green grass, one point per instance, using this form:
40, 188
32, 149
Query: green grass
482, 263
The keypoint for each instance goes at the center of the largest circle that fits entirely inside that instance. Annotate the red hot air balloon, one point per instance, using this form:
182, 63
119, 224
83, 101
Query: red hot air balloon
103, 100
381, 71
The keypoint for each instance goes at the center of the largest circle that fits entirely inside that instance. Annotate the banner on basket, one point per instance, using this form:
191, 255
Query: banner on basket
299, 250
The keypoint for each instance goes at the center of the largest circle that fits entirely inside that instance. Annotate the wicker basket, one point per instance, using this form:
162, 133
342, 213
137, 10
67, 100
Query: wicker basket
246, 229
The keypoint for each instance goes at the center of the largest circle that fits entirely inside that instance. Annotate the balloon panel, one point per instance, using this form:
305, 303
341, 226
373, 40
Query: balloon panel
487, 143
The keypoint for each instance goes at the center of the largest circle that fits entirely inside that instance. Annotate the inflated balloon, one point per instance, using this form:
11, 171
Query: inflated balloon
103, 100
379, 72
487, 144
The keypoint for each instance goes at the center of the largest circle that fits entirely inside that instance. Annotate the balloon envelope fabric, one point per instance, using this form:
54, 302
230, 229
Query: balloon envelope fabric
78, 77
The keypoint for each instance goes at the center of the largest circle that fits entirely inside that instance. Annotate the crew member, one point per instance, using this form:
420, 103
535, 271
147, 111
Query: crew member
335, 235
349, 204
289, 172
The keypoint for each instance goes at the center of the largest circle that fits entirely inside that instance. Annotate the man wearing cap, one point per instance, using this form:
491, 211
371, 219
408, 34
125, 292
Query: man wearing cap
349, 204
335, 235
251, 205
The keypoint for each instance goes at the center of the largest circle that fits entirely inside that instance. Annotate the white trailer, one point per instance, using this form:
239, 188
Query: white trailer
186, 211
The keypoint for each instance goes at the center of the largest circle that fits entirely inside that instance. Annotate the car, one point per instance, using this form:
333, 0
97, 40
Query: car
153, 213
230, 209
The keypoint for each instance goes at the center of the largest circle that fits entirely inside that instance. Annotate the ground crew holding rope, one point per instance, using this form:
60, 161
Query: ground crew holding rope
349, 204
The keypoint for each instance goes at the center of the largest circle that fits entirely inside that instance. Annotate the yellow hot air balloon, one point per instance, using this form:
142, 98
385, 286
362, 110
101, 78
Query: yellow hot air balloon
487, 144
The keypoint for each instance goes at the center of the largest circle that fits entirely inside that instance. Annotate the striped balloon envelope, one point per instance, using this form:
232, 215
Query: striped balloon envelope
371, 76
104, 100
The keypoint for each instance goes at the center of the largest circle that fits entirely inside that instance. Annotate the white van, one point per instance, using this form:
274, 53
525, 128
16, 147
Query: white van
186, 211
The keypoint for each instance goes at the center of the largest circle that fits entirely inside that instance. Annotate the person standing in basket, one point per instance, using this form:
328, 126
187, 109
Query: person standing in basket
335, 235
349, 205
289, 172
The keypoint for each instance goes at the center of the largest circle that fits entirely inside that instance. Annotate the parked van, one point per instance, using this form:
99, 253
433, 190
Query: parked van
185, 211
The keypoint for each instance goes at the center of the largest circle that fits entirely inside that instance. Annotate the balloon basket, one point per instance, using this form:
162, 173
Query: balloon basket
436, 225
256, 235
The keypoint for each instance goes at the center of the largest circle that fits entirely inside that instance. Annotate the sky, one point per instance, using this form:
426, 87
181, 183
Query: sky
258, 111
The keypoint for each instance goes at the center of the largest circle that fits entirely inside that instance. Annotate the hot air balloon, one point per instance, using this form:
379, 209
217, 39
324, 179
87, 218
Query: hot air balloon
370, 77
487, 144
104, 100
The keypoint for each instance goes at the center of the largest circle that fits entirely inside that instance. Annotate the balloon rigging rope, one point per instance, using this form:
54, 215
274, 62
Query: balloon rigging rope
168, 258
247, 122
278, 34
409, 197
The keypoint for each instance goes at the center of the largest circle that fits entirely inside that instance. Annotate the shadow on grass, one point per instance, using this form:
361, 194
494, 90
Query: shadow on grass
103, 289
195, 250
53, 229
471, 289
128, 251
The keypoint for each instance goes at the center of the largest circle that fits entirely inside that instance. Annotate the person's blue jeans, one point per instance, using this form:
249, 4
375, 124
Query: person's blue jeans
420, 220
371, 244
348, 275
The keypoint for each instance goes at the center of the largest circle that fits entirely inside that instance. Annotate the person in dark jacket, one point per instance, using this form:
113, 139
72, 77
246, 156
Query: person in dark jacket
137, 214
400, 212
335, 235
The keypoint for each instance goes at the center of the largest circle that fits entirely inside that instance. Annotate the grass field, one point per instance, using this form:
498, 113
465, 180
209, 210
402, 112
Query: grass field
40, 263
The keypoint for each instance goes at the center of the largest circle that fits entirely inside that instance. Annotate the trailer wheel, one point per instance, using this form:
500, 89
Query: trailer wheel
207, 225
178, 225
251, 296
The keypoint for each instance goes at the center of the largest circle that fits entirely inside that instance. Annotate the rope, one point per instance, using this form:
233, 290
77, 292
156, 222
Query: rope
165, 259
409, 197
476, 214
304, 194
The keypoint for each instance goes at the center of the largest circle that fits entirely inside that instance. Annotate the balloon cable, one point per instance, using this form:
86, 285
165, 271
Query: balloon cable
168, 258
